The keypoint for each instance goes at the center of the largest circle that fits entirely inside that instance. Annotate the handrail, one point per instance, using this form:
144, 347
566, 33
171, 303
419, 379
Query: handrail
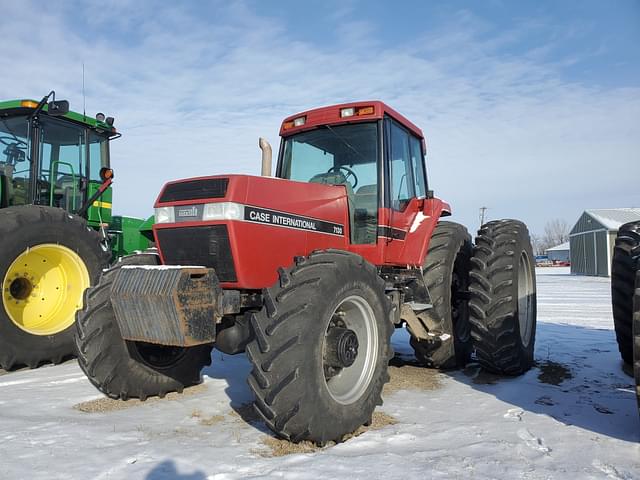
52, 182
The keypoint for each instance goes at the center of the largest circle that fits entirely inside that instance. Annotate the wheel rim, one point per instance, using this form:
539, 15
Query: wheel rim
42, 289
347, 384
525, 299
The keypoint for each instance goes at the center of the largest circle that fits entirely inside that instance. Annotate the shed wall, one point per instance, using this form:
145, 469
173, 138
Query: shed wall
590, 253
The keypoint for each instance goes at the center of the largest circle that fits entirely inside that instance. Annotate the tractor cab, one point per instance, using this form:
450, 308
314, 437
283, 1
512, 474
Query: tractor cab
53, 157
371, 150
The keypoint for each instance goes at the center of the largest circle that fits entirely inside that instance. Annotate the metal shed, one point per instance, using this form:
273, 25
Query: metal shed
593, 237
559, 253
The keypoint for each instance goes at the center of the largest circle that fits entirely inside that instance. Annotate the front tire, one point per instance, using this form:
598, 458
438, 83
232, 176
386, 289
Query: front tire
320, 347
625, 264
124, 369
503, 298
48, 259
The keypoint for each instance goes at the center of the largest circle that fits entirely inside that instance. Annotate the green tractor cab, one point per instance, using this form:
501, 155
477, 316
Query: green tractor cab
57, 230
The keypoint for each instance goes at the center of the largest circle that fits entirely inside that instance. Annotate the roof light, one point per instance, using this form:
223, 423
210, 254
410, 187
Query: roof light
28, 104
365, 110
100, 117
287, 125
298, 122
347, 112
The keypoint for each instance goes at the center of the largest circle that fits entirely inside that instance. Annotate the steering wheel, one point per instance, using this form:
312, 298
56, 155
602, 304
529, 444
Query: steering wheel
7, 140
350, 173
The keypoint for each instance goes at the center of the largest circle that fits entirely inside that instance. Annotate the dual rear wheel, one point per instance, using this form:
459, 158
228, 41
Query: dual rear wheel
625, 296
484, 298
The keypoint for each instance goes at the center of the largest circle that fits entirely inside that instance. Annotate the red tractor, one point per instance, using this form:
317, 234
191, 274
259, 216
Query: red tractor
309, 272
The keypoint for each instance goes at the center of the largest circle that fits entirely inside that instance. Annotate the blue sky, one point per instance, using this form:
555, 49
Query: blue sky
529, 108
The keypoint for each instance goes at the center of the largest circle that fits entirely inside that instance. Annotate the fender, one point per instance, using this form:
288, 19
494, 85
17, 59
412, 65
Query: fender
416, 223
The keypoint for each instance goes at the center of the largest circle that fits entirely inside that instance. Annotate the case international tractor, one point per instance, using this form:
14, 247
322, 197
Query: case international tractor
56, 228
309, 272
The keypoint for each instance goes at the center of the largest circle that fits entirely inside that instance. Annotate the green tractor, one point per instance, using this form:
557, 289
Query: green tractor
57, 231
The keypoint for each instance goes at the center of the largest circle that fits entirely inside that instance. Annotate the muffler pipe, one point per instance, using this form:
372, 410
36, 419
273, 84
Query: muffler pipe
266, 156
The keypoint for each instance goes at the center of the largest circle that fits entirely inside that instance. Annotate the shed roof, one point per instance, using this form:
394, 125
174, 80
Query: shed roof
613, 218
558, 248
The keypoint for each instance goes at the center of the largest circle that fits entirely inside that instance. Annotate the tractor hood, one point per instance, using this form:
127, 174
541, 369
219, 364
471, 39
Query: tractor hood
229, 222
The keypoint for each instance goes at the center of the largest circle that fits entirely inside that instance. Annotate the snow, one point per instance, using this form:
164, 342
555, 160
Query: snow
473, 426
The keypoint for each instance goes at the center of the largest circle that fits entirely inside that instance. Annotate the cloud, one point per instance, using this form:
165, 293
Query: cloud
193, 87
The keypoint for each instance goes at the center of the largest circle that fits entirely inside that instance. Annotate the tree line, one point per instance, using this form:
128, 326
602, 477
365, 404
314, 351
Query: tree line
556, 232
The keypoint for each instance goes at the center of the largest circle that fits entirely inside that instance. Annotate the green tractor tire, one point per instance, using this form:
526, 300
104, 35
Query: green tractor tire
49, 257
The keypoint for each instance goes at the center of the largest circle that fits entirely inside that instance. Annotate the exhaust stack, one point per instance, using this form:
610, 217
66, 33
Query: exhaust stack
266, 156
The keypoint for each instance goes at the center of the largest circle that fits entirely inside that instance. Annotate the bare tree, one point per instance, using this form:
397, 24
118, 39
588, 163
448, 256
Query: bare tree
536, 244
556, 232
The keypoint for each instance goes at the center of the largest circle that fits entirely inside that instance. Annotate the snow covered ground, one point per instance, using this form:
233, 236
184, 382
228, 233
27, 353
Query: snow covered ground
463, 424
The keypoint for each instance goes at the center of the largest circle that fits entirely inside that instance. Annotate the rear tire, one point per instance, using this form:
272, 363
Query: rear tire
32, 237
301, 392
636, 337
503, 298
446, 275
625, 264
123, 369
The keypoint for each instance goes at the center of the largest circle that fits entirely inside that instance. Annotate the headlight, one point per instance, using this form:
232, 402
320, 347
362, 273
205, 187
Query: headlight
165, 215
223, 211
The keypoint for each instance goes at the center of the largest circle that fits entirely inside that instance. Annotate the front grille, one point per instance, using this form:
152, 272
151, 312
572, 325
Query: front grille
206, 246
195, 190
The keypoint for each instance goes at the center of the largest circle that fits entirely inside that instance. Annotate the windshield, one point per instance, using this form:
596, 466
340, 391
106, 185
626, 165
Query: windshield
341, 155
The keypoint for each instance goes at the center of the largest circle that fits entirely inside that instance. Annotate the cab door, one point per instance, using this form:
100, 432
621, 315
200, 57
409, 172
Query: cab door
410, 215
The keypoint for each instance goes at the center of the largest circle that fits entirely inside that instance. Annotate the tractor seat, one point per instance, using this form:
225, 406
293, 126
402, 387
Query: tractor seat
367, 198
366, 209
334, 178
63, 193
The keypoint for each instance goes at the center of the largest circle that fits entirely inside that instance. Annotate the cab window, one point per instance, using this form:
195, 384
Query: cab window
417, 163
14, 161
400, 167
98, 155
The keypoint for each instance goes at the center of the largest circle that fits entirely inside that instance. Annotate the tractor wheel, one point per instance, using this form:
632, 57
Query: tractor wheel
503, 298
446, 274
636, 337
321, 347
48, 259
123, 369
626, 261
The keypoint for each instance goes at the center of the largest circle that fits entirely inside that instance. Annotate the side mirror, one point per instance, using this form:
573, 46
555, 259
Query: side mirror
57, 108
429, 194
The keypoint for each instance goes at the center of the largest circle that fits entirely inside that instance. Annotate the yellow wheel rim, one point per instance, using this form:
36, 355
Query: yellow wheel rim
43, 288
